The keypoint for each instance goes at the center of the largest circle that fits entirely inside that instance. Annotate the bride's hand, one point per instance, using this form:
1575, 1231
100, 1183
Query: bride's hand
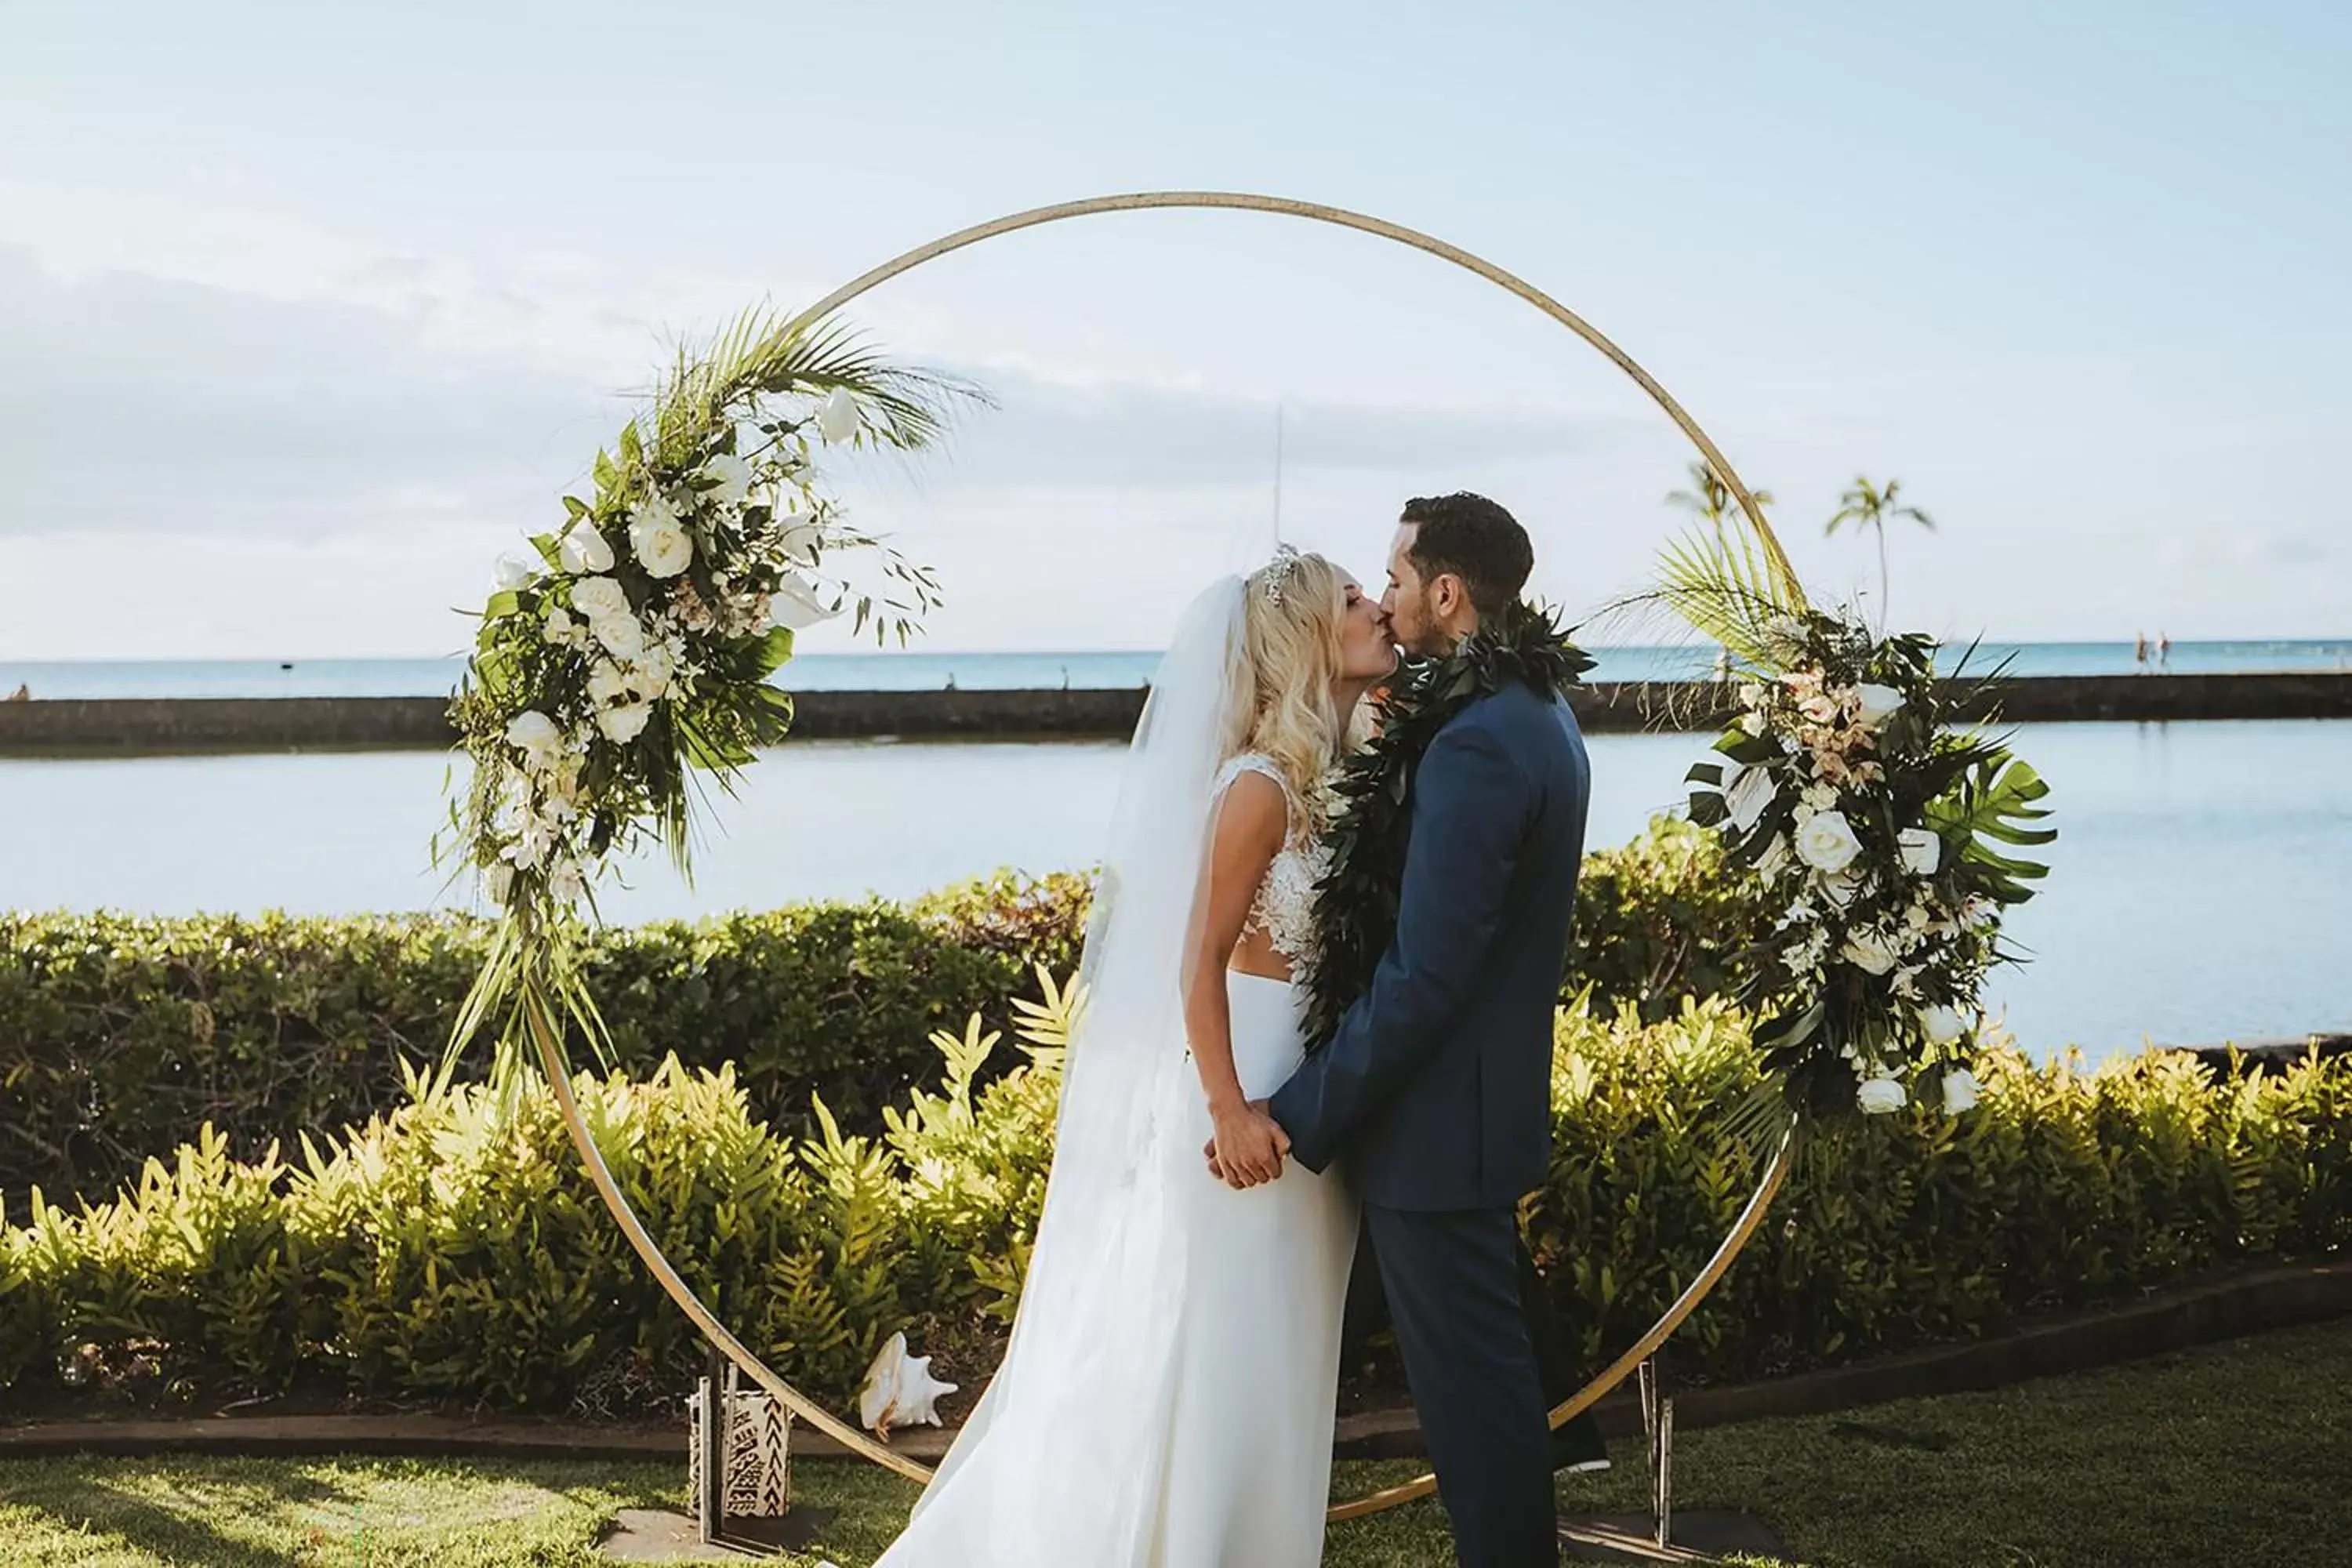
1247, 1148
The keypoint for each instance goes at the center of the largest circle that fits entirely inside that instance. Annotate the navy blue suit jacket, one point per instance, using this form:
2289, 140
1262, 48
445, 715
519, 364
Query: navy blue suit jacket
1435, 1092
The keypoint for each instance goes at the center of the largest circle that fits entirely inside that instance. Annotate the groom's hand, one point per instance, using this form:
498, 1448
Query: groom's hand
1265, 1108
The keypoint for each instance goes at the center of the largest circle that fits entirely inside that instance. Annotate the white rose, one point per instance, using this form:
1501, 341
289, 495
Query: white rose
1879, 703
536, 736
649, 677
727, 478
837, 419
606, 683
1749, 795
584, 550
498, 882
1960, 1087
1827, 842
599, 598
625, 723
1881, 1095
513, 572
658, 539
798, 538
796, 607
622, 635
1941, 1025
1923, 850
532, 843
560, 630
1868, 951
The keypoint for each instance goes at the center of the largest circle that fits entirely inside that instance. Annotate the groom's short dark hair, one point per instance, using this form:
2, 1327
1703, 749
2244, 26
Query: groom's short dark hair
1477, 541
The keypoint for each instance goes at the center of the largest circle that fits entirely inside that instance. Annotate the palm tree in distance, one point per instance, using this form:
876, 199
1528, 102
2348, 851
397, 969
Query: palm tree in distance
1712, 502
1866, 506
1710, 499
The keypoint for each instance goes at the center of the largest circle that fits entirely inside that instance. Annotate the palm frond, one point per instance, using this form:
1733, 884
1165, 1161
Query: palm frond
1723, 585
761, 353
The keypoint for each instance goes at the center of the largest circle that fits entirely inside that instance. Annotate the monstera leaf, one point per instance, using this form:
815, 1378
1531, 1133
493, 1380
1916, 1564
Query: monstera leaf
1997, 799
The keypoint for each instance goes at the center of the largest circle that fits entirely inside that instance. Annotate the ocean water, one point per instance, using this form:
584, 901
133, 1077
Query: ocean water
2197, 892
923, 670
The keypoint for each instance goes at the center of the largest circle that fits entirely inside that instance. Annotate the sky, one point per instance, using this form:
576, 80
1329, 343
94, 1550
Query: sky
307, 313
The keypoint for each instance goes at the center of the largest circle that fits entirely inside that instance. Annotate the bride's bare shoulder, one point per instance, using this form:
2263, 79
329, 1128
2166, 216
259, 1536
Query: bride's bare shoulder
1252, 804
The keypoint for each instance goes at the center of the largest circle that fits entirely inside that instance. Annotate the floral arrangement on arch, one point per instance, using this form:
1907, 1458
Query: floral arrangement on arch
1884, 826
636, 651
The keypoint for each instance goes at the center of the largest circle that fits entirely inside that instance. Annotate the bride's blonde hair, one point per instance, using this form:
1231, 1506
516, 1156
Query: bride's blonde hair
1294, 608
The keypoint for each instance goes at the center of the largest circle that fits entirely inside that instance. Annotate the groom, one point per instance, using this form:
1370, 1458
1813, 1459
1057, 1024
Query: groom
1435, 1092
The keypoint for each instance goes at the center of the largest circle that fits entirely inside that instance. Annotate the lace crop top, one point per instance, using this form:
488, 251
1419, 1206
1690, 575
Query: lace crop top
1284, 906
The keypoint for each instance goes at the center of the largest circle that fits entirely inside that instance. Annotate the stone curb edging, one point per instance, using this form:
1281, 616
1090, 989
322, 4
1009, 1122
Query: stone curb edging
2274, 1299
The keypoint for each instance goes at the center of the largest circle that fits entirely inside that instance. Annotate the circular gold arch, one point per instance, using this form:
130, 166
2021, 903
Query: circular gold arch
1775, 1171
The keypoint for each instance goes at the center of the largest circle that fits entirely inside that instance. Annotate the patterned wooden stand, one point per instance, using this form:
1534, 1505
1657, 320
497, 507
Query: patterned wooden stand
739, 1461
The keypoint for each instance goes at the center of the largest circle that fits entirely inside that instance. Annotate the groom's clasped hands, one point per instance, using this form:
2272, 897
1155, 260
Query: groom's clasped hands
1248, 1147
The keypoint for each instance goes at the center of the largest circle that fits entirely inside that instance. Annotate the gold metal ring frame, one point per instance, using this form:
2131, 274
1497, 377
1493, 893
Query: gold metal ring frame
1775, 1171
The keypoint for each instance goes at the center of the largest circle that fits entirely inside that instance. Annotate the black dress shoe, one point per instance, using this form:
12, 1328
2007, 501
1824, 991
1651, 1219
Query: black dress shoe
1578, 1448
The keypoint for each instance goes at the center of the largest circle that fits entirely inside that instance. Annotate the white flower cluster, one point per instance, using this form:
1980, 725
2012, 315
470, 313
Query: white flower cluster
610, 660
1879, 912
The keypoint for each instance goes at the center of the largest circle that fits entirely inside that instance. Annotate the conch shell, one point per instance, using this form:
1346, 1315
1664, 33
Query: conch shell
899, 1391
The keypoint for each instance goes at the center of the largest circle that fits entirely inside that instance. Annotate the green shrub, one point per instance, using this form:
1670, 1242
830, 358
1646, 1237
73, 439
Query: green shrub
450, 1250
1663, 918
2063, 1187
119, 1034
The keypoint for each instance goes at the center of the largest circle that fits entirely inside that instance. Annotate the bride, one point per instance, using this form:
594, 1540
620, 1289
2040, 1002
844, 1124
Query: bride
1167, 1398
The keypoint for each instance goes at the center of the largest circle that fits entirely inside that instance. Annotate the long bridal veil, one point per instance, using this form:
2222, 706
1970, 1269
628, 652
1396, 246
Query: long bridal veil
1063, 1461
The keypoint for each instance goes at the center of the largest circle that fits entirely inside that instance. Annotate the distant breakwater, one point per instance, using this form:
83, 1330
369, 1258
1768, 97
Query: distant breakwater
136, 726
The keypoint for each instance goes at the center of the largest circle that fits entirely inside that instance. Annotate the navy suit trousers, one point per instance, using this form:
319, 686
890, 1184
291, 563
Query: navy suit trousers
1452, 1280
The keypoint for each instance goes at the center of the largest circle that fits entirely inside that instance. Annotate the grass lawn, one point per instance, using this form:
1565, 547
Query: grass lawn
2238, 1453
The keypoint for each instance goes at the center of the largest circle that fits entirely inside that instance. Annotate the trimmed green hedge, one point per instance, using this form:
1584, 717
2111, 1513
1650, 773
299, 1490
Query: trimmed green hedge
121, 1034
444, 1252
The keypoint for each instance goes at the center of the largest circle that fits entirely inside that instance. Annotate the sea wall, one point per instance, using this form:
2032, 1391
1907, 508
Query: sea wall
150, 725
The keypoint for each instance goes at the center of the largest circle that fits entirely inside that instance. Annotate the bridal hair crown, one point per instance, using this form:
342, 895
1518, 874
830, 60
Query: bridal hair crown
1275, 574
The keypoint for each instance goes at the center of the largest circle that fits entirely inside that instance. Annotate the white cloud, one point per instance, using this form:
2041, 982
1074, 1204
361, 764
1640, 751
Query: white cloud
553, 311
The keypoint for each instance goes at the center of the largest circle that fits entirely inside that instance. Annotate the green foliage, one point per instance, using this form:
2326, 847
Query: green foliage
453, 1250
1662, 919
119, 1035
2064, 1185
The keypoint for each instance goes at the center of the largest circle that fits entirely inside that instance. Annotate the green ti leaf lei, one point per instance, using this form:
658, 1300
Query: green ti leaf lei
1372, 817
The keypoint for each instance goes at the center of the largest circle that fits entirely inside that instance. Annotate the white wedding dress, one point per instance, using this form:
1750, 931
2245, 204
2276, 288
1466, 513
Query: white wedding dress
1167, 1398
